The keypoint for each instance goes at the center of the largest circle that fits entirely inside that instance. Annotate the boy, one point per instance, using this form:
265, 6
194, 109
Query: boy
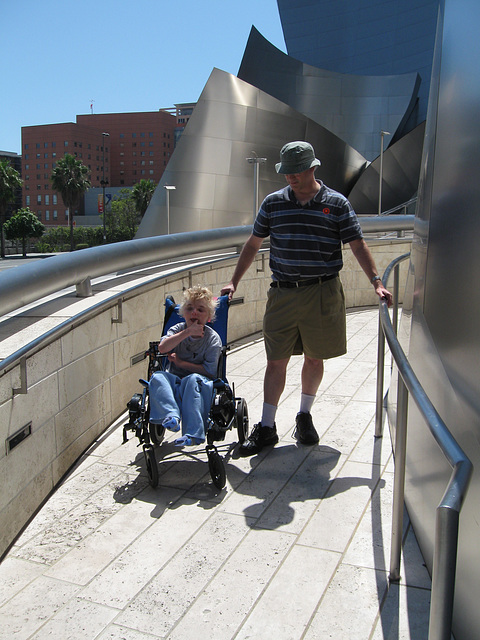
184, 392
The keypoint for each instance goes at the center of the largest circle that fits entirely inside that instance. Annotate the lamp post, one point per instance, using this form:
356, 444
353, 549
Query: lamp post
382, 134
104, 135
256, 177
168, 188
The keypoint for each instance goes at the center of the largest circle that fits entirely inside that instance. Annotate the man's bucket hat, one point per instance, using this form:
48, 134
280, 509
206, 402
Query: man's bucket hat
297, 157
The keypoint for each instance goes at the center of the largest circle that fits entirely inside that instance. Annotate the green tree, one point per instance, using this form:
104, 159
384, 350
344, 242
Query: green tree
122, 222
10, 181
23, 225
142, 193
70, 179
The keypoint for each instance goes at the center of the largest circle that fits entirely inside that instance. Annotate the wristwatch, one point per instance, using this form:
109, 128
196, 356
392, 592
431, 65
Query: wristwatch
375, 278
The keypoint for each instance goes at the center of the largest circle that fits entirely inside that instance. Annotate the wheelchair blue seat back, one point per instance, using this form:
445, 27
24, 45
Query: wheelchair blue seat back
173, 317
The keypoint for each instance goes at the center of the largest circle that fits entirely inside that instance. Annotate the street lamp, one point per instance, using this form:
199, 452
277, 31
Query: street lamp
168, 188
382, 134
256, 175
104, 135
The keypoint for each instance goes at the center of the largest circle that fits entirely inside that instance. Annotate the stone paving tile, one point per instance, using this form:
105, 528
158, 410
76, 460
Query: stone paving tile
296, 546
132, 570
172, 591
79, 619
337, 516
117, 632
223, 605
31, 607
285, 608
349, 607
403, 614
299, 498
16, 574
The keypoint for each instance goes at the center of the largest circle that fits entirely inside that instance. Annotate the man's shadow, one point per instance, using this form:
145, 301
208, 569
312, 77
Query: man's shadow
287, 474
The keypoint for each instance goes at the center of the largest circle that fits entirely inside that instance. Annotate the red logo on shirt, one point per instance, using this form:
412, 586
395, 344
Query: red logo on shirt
326, 210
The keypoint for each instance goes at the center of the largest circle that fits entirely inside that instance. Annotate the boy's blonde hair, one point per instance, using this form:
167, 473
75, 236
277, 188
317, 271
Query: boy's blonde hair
200, 293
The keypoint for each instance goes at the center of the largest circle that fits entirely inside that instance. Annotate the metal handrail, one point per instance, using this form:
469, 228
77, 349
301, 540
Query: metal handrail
115, 300
31, 282
448, 511
399, 207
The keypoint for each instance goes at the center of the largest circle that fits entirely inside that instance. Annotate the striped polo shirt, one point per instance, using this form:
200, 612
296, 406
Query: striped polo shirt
306, 240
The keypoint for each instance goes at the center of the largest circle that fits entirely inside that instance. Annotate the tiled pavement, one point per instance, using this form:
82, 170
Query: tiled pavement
296, 546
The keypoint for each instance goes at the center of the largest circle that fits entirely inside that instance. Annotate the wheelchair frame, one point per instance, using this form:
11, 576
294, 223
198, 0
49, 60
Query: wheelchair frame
226, 411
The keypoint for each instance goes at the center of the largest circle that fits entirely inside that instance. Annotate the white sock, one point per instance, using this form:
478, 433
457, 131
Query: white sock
268, 415
306, 403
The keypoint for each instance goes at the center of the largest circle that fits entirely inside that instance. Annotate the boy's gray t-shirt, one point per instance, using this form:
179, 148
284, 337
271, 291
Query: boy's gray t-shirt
205, 351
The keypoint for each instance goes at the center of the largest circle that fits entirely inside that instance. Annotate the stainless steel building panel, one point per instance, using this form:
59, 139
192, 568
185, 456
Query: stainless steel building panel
233, 194
272, 129
209, 168
343, 37
401, 170
206, 154
227, 119
325, 96
444, 345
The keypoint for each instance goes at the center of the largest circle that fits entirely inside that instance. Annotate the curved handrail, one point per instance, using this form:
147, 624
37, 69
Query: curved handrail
41, 341
446, 531
30, 282
33, 281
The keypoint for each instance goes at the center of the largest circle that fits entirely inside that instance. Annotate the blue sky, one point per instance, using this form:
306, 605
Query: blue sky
59, 55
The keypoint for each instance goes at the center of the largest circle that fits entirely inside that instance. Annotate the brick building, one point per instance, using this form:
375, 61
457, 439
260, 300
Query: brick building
138, 146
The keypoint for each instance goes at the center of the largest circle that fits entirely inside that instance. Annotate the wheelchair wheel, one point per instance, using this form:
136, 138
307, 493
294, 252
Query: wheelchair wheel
242, 420
156, 432
217, 469
151, 464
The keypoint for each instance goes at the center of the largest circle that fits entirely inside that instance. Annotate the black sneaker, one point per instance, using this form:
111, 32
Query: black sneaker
259, 438
305, 431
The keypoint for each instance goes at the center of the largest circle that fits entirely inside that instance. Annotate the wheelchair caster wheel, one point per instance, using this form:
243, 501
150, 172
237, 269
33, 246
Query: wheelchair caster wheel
151, 464
156, 432
217, 469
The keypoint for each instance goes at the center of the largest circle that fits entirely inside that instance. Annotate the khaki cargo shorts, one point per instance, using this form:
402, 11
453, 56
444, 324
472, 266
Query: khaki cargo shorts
309, 320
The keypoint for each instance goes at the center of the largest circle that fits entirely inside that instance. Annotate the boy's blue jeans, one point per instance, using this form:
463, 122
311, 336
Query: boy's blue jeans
188, 399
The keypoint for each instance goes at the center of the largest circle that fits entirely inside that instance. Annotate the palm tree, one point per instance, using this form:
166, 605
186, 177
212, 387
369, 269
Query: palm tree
142, 193
10, 181
70, 179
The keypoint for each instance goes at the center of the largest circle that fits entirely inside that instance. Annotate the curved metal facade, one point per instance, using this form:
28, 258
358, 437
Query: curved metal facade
440, 327
354, 108
401, 171
369, 38
275, 99
232, 121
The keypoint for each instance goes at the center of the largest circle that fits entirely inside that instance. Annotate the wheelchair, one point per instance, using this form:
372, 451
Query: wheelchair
226, 412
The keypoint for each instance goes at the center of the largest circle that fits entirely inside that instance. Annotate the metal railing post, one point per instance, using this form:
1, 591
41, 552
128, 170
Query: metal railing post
399, 480
448, 512
396, 289
380, 376
443, 575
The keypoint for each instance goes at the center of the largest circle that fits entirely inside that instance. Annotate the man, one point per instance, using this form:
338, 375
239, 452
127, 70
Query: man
307, 223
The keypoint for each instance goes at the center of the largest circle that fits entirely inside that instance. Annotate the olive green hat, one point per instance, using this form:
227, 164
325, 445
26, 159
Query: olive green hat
297, 157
